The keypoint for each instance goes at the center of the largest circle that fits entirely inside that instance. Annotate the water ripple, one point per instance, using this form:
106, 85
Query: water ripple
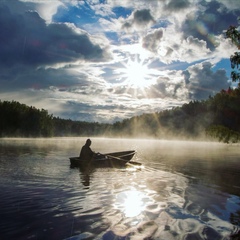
43, 198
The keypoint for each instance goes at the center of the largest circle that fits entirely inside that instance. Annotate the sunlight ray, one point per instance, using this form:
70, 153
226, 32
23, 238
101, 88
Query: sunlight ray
136, 74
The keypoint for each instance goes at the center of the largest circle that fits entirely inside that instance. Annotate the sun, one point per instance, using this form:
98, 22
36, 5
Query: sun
136, 74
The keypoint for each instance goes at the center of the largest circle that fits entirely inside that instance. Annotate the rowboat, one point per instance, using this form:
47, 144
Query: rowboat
114, 159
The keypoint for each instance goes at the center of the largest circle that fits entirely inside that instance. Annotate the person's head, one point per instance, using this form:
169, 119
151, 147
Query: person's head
88, 142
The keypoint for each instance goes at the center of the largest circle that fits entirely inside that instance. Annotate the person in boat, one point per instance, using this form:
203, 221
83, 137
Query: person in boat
86, 152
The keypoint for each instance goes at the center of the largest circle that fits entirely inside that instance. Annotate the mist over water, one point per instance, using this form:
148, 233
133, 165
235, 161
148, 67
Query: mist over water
185, 190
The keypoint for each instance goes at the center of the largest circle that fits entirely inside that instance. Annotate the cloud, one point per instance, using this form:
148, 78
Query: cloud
152, 40
201, 81
28, 40
139, 19
175, 6
209, 22
230, 4
167, 45
19, 78
45, 9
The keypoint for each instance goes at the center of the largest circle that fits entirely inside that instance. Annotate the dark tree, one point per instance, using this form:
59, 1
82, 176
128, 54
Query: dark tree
234, 35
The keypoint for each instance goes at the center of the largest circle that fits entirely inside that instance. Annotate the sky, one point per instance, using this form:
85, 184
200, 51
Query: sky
108, 60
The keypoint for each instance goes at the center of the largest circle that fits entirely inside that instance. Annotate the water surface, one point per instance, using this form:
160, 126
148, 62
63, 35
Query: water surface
185, 190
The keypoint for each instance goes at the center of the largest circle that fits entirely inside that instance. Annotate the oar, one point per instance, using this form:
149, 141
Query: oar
117, 158
128, 163
135, 163
110, 156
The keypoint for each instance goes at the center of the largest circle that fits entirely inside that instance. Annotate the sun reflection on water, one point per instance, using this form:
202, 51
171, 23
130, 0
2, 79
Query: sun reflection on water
131, 202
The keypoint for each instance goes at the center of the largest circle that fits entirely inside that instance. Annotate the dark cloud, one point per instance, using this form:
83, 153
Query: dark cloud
178, 5
27, 39
201, 81
140, 18
78, 110
159, 90
166, 88
198, 82
205, 25
102, 113
18, 78
152, 40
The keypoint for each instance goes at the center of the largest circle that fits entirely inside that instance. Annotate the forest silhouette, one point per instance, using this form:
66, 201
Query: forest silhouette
217, 118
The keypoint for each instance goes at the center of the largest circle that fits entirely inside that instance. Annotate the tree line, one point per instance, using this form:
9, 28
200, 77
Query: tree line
20, 120
218, 117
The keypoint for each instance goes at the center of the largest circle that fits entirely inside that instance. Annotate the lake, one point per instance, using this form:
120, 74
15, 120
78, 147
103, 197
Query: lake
183, 190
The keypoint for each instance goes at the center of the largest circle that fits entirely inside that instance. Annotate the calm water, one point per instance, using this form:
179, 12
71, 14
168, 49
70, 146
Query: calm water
185, 190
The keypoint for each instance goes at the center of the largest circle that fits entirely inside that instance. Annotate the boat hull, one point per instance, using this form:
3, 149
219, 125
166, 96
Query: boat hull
115, 159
